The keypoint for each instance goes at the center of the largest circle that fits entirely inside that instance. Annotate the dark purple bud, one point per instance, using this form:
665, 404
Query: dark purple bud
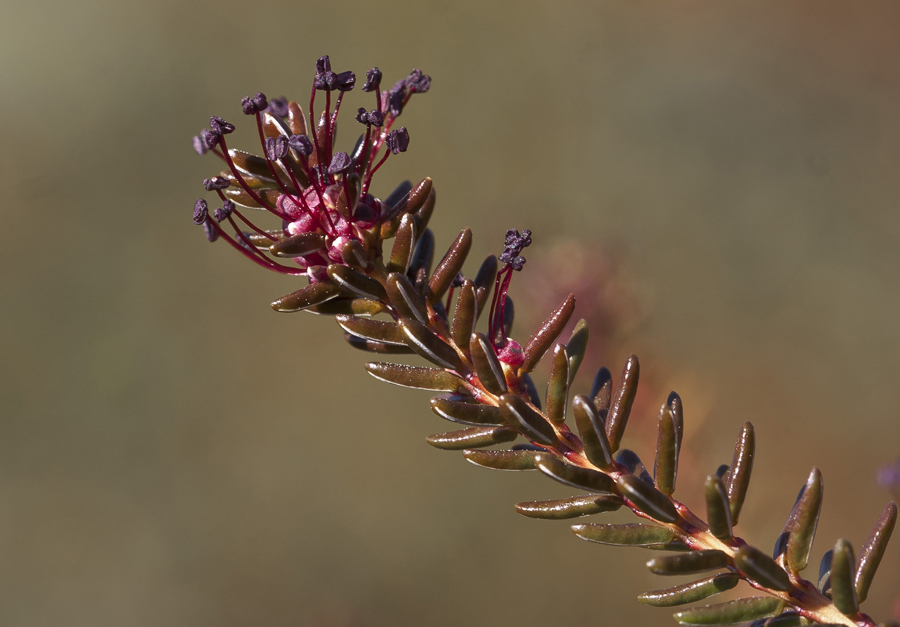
361, 116
417, 82
225, 211
396, 97
210, 138
301, 144
279, 107
341, 162
344, 81
518, 263
259, 99
323, 67
397, 141
217, 182
201, 211
247, 106
512, 235
373, 80
200, 145
210, 231
276, 147
526, 238
506, 257
376, 118
218, 124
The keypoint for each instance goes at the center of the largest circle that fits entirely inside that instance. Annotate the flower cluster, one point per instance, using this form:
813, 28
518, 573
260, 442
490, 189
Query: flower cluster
320, 194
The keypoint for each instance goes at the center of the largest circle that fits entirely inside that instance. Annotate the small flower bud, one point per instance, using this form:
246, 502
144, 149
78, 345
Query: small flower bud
376, 118
201, 211
301, 144
361, 116
278, 106
200, 145
417, 82
210, 138
217, 182
344, 81
341, 162
397, 141
218, 124
210, 231
276, 147
396, 97
225, 211
373, 80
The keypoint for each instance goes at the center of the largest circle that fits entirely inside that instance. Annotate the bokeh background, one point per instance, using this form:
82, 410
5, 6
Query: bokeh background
173, 452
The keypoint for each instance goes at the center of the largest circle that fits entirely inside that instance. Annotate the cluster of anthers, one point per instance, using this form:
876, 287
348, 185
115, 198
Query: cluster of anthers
335, 230
320, 194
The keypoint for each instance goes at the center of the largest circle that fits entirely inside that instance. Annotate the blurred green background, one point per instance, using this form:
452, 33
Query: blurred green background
173, 452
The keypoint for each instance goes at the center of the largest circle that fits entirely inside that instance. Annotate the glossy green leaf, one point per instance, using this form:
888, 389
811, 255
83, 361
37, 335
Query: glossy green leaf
405, 299
415, 377
601, 390
731, 612
647, 498
635, 466
785, 619
800, 529
531, 390
622, 400
449, 266
824, 581
761, 568
473, 437
373, 346
413, 200
633, 534
592, 431
427, 344
665, 468
379, 330
355, 255
404, 240
576, 347
573, 507
423, 256
688, 563
484, 280
575, 476
348, 307
312, 294
741, 467
487, 365
691, 592
675, 404
466, 413
298, 245
516, 459
546, 335
718, 512
424, 213
522, 417
355, 282
464, 316
843, 590
558, 386
873, 550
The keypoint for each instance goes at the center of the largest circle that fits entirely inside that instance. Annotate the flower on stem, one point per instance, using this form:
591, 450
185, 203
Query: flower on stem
300, 178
